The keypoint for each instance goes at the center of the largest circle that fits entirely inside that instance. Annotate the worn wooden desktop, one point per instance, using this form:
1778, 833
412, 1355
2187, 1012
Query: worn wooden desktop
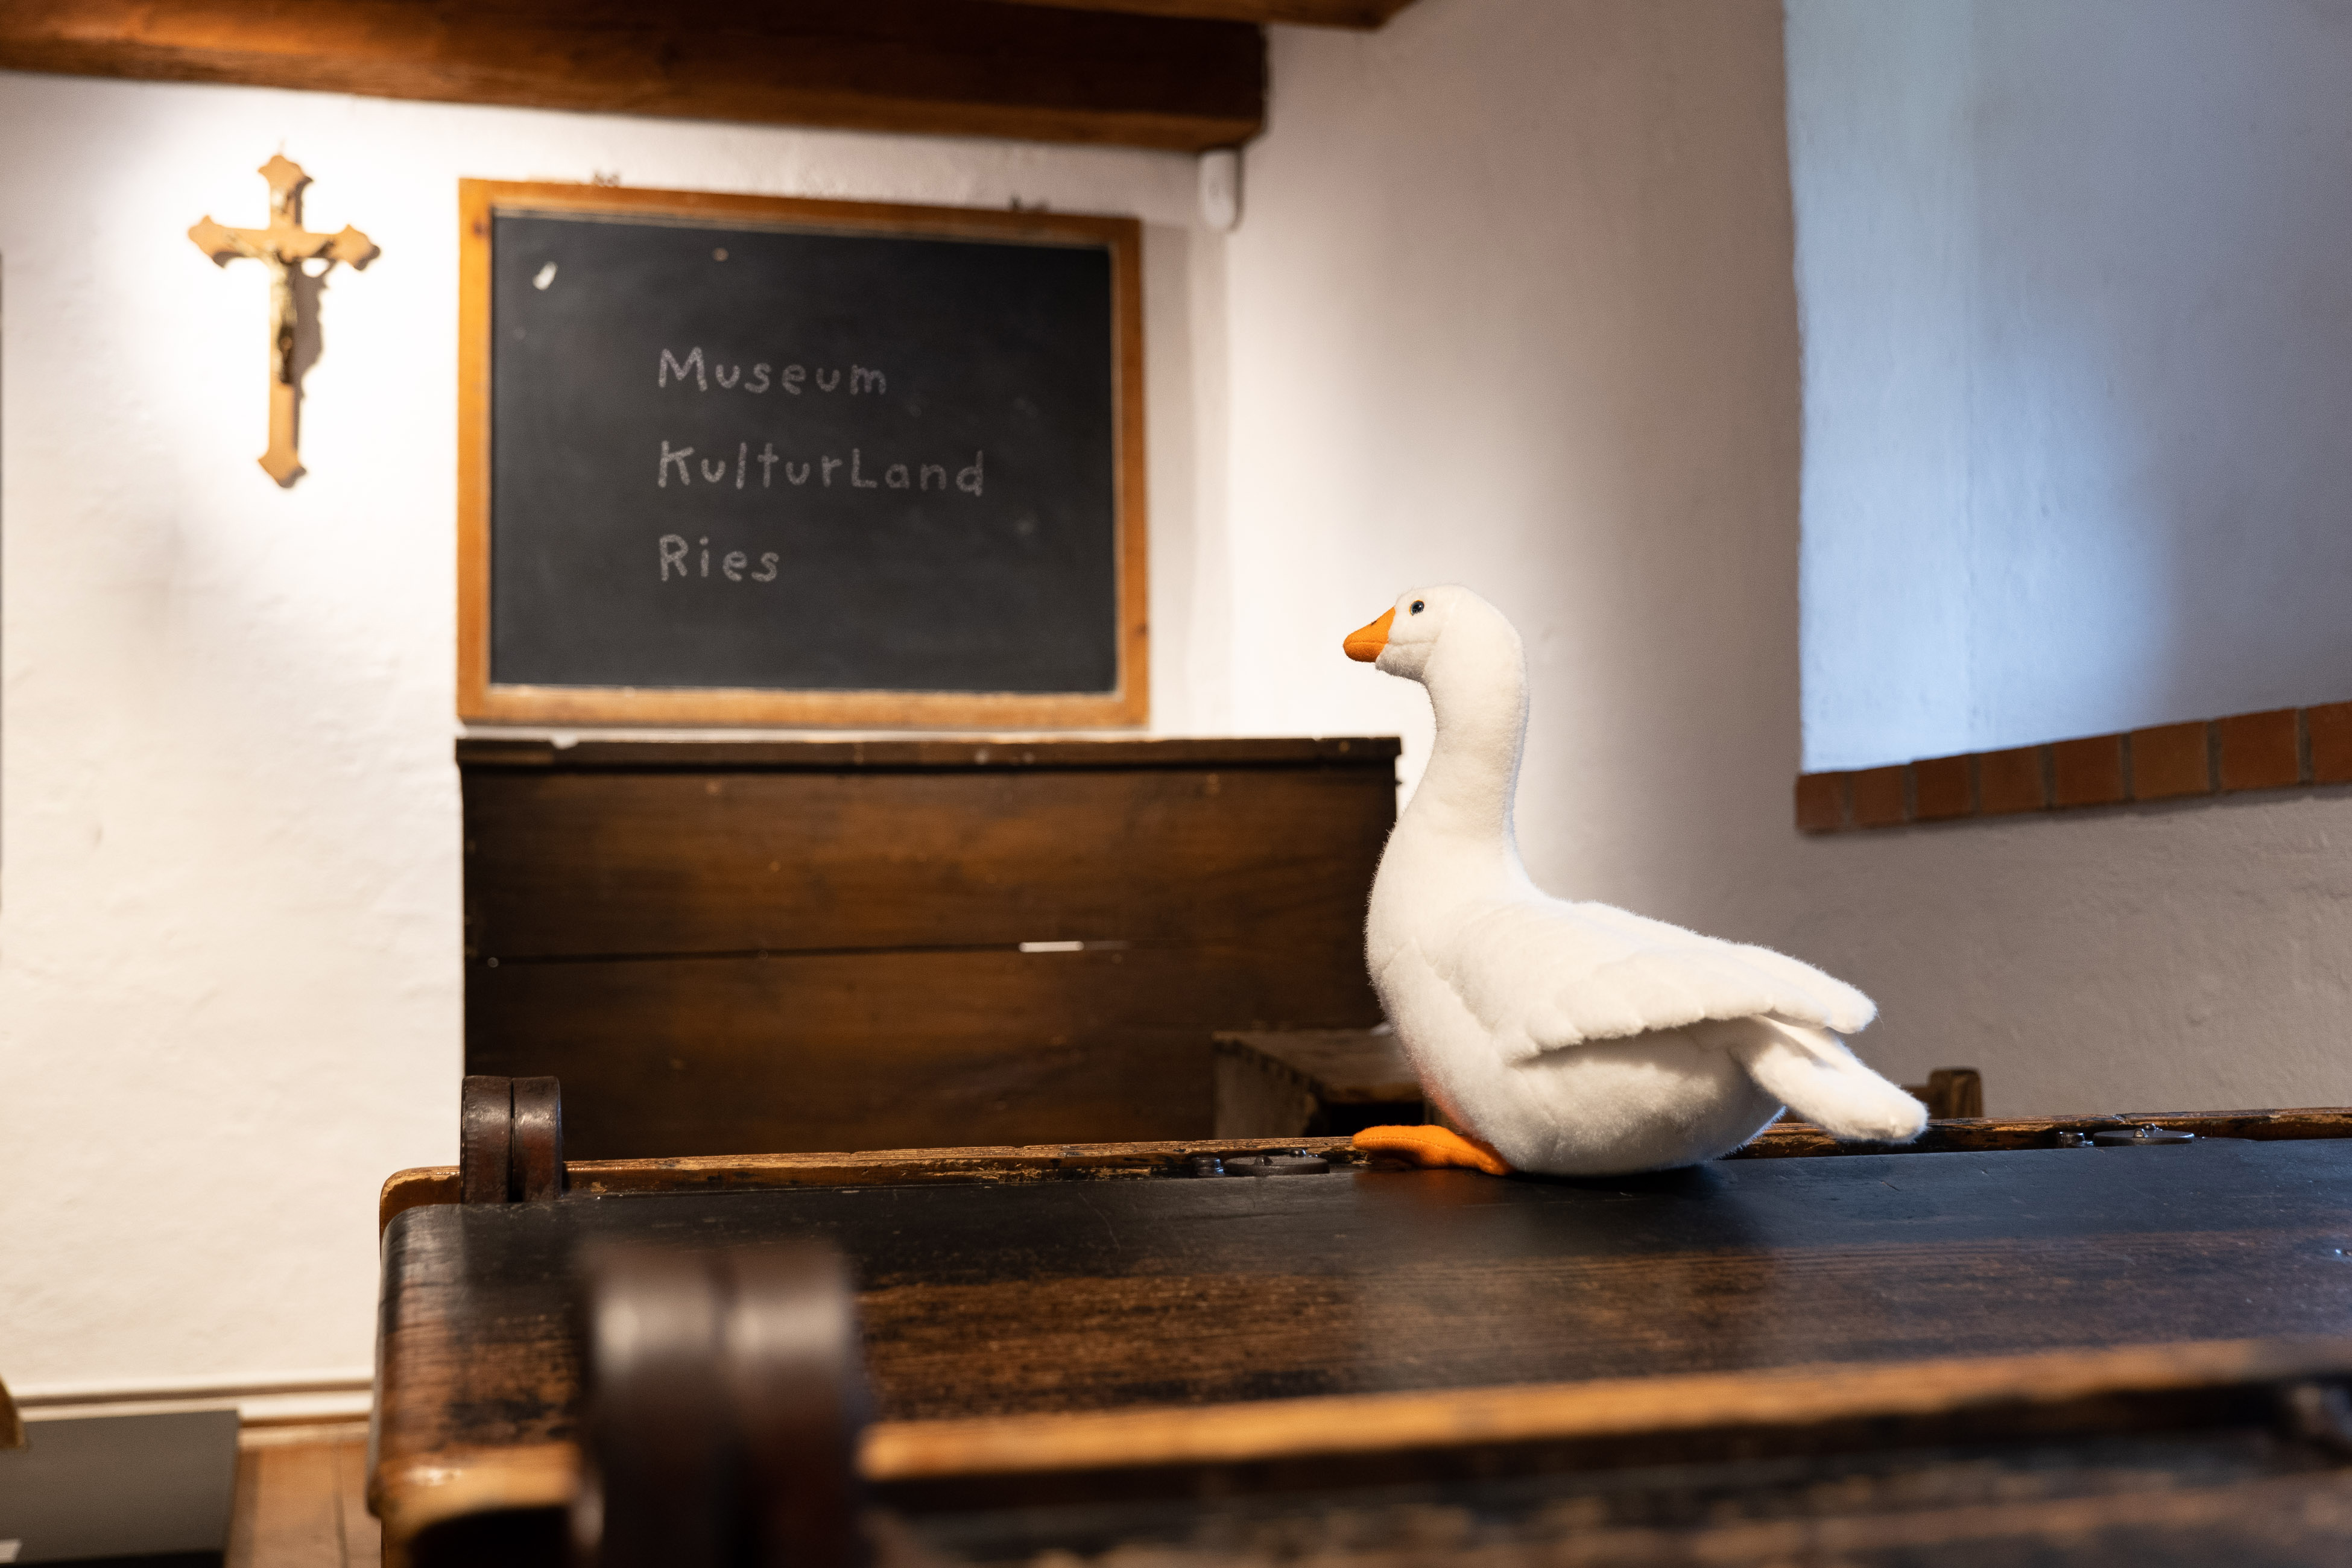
1095, 1312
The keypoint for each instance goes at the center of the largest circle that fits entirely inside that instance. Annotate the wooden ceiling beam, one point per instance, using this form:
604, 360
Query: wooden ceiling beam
1362, 13
969, 67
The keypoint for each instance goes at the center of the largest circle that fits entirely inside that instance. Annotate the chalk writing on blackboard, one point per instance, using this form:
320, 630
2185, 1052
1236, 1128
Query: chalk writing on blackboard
898, 476
793, 379
733, 565
970, 480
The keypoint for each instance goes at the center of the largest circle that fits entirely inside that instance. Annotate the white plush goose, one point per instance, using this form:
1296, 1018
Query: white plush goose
1573, 1039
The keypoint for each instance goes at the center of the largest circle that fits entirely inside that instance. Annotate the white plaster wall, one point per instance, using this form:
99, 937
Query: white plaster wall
2078, 360
1511, 306
2194, 956
229, 922
1514, 306
2078, 363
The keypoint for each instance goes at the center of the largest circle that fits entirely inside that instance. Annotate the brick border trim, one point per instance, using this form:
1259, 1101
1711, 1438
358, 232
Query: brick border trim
2281, 749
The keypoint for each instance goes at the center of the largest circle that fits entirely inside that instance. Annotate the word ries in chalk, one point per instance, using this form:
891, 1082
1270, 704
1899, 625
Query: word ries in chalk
733, 565
794, 379
895, 476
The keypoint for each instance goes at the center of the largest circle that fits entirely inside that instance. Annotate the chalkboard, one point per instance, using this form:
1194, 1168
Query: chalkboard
746, 460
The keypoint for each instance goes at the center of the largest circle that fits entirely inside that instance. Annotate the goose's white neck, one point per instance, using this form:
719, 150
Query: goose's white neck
1477, 681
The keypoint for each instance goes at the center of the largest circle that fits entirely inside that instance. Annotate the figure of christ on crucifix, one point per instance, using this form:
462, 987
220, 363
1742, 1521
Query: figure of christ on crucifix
282, 247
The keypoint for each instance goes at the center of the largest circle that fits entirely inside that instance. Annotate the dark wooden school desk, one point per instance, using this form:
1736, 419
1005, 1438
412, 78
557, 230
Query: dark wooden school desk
1995, 1348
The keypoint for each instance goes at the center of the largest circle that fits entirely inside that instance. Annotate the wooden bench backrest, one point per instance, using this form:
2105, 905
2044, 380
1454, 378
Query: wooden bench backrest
763, 947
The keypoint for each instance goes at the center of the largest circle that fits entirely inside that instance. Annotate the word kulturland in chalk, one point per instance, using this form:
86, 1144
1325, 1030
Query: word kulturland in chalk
896, 476
793, 378
731, 564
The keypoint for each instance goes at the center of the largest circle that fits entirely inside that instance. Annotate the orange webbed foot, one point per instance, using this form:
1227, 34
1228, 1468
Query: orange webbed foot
1432, 1145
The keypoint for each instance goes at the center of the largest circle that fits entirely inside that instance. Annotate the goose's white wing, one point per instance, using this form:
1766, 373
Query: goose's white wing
1542, 975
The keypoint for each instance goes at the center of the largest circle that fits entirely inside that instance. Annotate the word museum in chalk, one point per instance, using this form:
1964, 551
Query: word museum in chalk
1382, 782
793, 379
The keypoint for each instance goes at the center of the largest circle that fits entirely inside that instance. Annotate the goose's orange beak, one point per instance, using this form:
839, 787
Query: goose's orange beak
1364, 643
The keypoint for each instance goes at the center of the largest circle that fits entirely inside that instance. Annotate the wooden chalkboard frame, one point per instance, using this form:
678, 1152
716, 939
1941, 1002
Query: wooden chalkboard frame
479, 699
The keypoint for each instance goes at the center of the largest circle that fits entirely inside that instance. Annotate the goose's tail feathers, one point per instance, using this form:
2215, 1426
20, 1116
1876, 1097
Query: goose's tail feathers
1811, 1070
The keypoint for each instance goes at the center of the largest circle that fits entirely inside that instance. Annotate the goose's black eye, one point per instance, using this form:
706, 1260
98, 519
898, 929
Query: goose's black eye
1418, 606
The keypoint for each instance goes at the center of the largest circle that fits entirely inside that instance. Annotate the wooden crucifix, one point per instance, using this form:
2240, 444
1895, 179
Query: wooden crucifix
282, 247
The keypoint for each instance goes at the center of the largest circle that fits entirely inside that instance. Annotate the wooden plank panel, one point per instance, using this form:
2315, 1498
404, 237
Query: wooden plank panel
425, 1185
2226, 1494
422, 1185
302, 1505
1985, 1134
2162, 1457
949, 66
1021, 753
598, 864
1372, 1427
892, 1049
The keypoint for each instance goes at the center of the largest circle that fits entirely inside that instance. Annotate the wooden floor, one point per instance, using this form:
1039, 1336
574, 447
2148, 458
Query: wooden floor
301, 1499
